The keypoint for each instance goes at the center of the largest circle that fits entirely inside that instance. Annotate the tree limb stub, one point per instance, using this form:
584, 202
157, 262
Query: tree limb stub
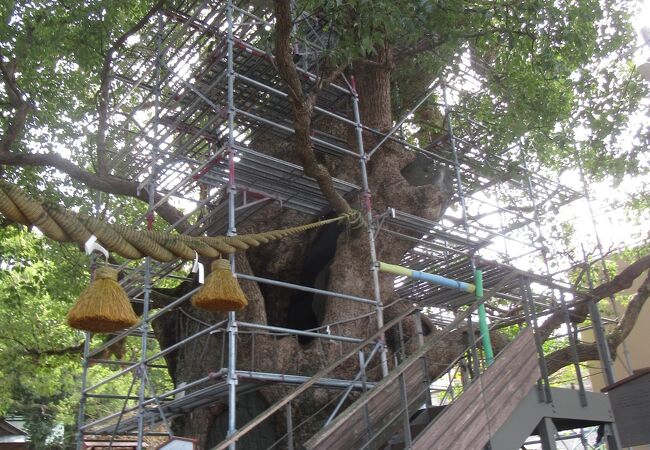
302, 107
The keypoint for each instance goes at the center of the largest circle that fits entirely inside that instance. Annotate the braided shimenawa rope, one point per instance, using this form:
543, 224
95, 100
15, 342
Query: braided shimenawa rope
65, 226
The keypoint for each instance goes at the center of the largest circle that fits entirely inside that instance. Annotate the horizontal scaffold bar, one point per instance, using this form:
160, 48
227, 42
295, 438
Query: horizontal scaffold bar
424, 276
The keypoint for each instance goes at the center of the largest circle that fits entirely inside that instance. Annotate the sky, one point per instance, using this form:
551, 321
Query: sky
640, 21
615, 227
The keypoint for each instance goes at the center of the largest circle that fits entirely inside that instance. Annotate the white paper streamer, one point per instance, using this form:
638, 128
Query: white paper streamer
91, 245
198, 267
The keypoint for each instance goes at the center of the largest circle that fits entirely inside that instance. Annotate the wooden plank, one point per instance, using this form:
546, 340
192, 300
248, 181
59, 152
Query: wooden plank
487, 403
483, 397
416, 394
464, 438
507, 400
465, 423
381, 410
516, 380
522, 346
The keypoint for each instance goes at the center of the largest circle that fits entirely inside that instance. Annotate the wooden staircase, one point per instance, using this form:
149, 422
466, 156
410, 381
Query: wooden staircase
499, 411
375, 417
488, 403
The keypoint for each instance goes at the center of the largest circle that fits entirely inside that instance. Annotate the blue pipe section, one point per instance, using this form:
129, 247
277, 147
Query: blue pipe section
442, 281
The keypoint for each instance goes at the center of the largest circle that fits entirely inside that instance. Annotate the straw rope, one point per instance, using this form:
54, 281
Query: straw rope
66, 226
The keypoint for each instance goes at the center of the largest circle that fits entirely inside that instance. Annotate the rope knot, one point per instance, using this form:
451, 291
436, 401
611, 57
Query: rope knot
354, 219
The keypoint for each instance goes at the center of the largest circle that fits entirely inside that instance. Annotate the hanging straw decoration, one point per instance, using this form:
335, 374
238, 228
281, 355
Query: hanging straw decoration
103, 307
221, 291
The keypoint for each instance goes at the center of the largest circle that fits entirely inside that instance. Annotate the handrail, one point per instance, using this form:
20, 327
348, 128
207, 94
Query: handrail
365, 398
431, 340
302, 388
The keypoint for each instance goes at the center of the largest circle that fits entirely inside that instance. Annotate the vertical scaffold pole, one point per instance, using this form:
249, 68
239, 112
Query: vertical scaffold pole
82, 401
613, 442
289, 419
81, 417
533, 200
530, 311
627, 363
463, 209
574, 351
419, 329
232, 230
379, 307
599, 332
151, 188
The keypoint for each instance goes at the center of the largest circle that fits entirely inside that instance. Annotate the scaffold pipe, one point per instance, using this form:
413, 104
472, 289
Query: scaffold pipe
482, 319
424, 276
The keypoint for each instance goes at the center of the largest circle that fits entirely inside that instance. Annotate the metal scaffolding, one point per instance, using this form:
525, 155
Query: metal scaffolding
196, 96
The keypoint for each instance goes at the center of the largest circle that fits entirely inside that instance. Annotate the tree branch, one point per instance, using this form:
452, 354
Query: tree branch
15, 128
421, 46
38, 353
9, 79
588, 351
626, 324
324, 81
105, 183
579, 314
302, 107
75, 349
17, 124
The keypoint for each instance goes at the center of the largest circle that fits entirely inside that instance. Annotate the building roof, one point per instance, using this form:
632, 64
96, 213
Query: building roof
90, 444
11, 431
12, 425
636, 374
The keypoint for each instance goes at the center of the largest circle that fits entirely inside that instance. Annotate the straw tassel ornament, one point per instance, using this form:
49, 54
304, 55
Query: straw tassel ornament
103, 307
221, 291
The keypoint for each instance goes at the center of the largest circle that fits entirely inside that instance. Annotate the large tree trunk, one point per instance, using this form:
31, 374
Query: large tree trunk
306, 259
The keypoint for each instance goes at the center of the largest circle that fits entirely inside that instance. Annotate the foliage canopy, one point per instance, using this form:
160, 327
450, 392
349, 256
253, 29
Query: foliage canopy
555, 75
